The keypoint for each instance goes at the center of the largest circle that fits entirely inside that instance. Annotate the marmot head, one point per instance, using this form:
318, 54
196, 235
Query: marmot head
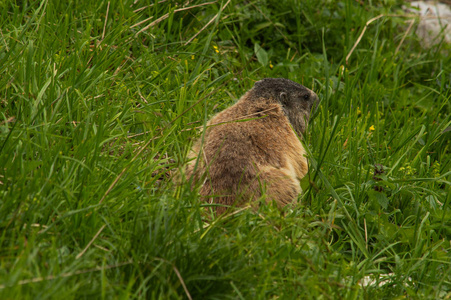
296, 100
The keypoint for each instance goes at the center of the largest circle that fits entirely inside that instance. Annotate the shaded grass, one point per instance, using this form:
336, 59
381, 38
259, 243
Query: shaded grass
96, 116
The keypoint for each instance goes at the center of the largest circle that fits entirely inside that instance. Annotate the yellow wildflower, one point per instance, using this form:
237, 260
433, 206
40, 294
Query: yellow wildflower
216, 48
192, 56
407, 170
372, 128
271, 65
436, 169
410, 170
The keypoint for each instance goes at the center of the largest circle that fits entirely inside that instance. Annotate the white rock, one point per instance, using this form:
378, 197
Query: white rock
435, 18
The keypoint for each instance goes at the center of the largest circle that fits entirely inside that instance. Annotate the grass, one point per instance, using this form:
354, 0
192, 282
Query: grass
99, 102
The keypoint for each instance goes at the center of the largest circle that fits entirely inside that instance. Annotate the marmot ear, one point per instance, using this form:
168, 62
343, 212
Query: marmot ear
283, 97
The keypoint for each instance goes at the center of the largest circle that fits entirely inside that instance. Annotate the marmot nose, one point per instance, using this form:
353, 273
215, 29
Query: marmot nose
315, 103
315, 97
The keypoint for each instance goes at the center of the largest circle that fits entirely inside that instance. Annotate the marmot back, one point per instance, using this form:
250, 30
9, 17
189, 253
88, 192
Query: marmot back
251, 147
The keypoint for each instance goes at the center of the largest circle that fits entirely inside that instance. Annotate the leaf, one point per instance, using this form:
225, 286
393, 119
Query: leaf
380, 197
262, 26
262, 55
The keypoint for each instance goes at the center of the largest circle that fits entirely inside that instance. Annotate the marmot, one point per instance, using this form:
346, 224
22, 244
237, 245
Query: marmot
251, 146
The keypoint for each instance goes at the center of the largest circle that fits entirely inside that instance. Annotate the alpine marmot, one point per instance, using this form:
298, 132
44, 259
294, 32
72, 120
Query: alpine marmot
252, 148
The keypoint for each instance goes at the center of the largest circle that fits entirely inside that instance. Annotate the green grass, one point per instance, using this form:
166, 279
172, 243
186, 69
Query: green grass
98, 110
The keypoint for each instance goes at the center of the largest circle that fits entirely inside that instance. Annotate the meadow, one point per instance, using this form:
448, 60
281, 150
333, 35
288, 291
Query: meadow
101, 100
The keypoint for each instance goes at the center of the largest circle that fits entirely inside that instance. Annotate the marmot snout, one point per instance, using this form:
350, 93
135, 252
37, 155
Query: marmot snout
251, 148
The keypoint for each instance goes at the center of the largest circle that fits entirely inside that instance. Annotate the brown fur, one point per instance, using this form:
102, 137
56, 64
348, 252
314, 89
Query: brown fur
251, 147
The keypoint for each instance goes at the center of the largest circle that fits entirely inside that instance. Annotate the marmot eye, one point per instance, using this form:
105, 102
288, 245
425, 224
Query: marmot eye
306, 96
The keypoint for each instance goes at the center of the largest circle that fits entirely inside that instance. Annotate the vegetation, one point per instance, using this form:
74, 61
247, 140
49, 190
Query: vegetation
100, 100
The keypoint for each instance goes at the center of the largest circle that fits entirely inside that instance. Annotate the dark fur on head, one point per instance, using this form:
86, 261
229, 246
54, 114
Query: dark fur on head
297, 101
